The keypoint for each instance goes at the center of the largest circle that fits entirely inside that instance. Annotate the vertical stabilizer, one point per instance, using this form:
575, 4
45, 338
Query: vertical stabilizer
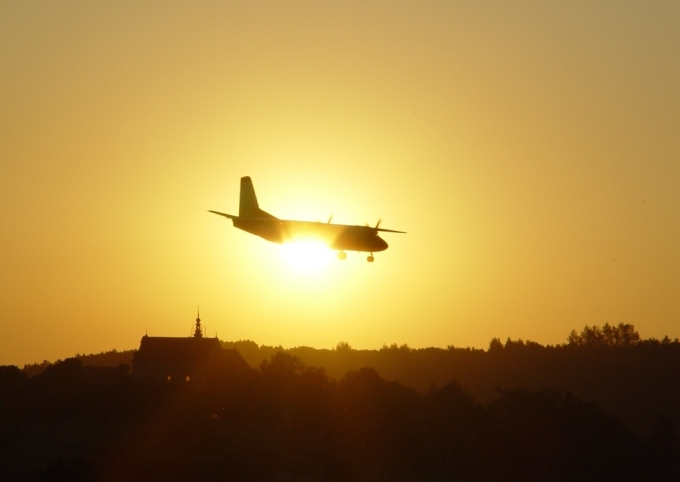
248, 206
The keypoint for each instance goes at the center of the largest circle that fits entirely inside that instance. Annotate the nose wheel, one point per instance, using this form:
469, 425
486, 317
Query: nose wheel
370, 259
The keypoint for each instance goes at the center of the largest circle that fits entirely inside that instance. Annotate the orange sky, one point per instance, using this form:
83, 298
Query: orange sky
530, 149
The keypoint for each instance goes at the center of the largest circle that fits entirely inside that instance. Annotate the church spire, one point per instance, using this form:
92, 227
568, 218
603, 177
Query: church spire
198, 333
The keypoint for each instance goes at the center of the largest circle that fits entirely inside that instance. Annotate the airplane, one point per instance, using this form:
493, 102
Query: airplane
340, 237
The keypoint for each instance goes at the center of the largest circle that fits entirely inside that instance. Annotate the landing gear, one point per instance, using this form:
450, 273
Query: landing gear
342, 256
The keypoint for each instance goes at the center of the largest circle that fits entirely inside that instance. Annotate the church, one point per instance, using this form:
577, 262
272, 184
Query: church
183, 359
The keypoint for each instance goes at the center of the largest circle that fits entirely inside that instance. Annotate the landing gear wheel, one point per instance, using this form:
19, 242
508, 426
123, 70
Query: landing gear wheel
370, 259
342, 255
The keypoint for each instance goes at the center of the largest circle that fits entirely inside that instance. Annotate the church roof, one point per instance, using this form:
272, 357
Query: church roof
163, 349
175, 357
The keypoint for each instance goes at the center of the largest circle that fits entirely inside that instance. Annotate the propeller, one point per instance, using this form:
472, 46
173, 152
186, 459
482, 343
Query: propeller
378, 228
330, 219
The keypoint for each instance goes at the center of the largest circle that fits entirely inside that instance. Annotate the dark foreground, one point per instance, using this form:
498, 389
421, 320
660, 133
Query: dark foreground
286, 421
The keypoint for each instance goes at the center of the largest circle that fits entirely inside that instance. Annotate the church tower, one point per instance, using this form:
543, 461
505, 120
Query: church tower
198, 333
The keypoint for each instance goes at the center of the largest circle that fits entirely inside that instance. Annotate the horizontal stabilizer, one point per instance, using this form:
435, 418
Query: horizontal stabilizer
230, 216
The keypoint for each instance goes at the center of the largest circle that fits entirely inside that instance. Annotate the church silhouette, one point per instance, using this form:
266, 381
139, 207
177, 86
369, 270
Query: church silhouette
184, 359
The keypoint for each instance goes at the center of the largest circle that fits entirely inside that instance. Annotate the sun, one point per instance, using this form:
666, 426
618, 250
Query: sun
307, 256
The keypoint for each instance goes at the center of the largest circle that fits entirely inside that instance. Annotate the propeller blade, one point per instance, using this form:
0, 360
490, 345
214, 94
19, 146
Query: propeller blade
378, 228
329, 219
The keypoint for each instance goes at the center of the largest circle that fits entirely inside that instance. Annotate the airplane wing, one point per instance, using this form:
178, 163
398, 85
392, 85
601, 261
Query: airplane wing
329, 227
230, 216
389, 230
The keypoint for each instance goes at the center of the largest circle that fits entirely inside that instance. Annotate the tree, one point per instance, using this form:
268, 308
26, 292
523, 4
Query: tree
495, 345
622, 335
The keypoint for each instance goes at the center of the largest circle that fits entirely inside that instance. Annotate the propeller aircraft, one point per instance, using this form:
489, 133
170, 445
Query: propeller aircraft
339, 237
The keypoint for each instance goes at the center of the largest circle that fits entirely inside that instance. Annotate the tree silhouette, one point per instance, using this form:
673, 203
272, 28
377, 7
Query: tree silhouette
622, 335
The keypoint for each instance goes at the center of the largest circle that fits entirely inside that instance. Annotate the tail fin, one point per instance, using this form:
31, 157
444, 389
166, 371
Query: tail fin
248, 207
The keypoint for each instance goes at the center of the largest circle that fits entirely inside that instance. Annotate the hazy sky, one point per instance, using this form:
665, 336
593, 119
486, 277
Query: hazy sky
531, 150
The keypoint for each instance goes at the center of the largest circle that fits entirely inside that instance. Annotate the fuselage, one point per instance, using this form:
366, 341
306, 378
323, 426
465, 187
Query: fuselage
336, 236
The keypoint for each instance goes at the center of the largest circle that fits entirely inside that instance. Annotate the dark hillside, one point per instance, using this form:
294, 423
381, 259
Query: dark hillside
636, 380
290, 421
111, 358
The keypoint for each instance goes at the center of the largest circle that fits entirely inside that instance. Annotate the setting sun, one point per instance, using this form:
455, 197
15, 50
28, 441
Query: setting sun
307, 255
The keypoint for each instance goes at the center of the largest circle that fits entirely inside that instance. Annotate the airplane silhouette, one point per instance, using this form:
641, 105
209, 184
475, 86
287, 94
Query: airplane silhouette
340, 237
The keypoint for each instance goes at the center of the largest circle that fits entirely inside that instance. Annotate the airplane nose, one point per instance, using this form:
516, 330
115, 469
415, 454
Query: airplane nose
381, 244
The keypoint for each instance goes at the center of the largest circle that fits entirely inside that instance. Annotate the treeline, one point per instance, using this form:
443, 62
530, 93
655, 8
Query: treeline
290, 421
633, 378
636, 379
111, 358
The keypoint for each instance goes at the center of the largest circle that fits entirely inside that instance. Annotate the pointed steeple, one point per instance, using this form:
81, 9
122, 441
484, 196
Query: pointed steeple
198, 333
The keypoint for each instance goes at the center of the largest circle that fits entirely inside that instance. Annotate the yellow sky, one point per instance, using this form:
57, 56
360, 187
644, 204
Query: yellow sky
530, 149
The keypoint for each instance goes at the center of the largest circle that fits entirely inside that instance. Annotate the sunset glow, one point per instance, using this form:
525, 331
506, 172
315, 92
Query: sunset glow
307, 255
529, 149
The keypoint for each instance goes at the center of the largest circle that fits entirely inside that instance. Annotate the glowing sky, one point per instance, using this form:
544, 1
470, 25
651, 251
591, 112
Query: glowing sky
530, 149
